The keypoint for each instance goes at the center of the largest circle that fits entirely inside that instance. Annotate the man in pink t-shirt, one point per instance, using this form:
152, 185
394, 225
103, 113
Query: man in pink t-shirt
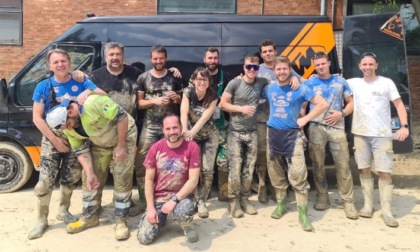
172, 173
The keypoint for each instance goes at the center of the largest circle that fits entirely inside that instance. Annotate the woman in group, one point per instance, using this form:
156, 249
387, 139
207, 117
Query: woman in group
197, 107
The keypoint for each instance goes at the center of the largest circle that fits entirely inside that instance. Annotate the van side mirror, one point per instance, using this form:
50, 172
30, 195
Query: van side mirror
3, 92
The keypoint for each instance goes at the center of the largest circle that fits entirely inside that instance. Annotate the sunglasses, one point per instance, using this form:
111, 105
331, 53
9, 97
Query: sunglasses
368, 54
252, 67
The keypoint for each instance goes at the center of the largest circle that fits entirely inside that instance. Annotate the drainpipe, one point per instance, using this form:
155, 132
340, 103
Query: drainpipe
262, 7
323, 8
332, 12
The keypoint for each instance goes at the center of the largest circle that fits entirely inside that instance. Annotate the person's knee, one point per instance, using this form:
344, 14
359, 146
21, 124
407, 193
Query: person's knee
41, 189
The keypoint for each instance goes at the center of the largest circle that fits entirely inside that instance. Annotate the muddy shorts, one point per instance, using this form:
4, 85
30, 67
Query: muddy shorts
379, 149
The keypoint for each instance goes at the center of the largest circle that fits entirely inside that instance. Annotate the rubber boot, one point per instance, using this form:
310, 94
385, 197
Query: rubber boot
202, 211
247, 207
367, 190
262, 188
302, 206
190, 234
322, 202
82, 224
42, 208
63, 212
222, 179
350, 210
235, 209
281, 205
385, 192
205, 191
121, 230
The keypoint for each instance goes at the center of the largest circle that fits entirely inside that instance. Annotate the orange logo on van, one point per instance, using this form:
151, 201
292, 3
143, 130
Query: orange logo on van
313, 37
394, 27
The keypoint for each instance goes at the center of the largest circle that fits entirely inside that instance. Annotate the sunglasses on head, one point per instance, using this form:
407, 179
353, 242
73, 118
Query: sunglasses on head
252, 67
368, 54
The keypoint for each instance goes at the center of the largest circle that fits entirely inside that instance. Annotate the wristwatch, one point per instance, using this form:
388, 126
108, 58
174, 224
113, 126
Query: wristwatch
175, 198
404, 126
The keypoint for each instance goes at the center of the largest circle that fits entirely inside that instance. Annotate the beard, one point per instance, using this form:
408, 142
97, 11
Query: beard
174, 138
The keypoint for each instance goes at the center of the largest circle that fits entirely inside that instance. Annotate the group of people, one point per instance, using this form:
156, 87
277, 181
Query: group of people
90, 123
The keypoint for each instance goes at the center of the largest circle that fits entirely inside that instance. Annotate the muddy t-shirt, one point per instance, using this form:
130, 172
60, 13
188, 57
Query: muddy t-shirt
121, 88
244, 94
196, 111
156, 87
172, 166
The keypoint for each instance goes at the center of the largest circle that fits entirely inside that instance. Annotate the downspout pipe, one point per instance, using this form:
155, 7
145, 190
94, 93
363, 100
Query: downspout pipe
323, 8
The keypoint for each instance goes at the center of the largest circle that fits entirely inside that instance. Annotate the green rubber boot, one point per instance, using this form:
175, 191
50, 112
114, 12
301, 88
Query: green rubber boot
302, 206
281, 205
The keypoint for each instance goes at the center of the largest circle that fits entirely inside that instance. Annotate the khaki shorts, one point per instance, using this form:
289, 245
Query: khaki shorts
377, 149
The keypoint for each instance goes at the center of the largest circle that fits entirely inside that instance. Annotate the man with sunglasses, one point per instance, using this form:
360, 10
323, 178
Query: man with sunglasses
100, 132
285, 155
372, 131
329, 128
240, 99
56, 157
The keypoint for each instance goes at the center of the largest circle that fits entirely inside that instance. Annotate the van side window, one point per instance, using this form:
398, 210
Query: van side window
81, 59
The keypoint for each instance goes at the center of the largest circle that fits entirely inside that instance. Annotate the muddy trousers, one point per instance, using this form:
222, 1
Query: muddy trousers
295, 166
222, 166
319, 136
123, 180
242, 152
208, 149
183, 215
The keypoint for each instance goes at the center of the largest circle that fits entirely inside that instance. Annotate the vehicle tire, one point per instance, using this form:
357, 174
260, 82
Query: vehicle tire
15, 167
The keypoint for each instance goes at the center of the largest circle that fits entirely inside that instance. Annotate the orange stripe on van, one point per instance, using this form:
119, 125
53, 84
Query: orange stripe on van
312, 38
35, 154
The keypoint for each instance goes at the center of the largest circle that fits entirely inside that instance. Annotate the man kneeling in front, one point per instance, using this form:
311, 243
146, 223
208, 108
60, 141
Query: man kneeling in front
172, 173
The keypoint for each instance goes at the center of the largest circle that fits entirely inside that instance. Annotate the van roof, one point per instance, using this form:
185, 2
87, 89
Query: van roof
201, 18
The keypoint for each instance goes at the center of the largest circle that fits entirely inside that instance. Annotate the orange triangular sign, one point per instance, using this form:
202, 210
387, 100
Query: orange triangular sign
394, 27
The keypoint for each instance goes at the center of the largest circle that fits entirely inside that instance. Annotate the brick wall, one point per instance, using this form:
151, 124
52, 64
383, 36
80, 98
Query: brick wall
44, 20
414, 78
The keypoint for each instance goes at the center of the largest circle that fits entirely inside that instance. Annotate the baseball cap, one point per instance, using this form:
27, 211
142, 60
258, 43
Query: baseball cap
57, 116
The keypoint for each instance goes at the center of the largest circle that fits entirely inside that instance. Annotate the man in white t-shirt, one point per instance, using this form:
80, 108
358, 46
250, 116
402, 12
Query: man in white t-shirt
373, 135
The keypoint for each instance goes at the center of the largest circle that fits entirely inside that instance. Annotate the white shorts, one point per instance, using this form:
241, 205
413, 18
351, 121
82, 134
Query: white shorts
377, 149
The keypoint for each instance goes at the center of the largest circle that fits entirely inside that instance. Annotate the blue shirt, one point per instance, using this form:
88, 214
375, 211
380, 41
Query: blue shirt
285, 104
67, 90
334, 90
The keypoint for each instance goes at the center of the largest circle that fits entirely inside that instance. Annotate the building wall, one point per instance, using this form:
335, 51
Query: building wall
44, 20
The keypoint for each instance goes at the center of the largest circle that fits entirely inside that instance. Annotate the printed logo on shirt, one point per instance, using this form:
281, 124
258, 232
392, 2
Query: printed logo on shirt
106, 107
74, 88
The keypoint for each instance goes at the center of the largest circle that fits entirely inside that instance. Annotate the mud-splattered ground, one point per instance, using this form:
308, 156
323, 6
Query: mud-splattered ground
220, 232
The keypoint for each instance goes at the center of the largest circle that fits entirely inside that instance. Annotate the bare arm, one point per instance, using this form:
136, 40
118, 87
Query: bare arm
185, 107
145, 104
37, 117
207, 114
85, 159
189, 187
81, 98
335, 116
226, 105
120, 151
402, 133
320, 107
149, 191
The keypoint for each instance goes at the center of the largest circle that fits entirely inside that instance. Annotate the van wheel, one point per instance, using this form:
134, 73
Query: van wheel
15, 167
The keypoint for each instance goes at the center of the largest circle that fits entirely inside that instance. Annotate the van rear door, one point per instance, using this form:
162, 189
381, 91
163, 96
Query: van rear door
383, 35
